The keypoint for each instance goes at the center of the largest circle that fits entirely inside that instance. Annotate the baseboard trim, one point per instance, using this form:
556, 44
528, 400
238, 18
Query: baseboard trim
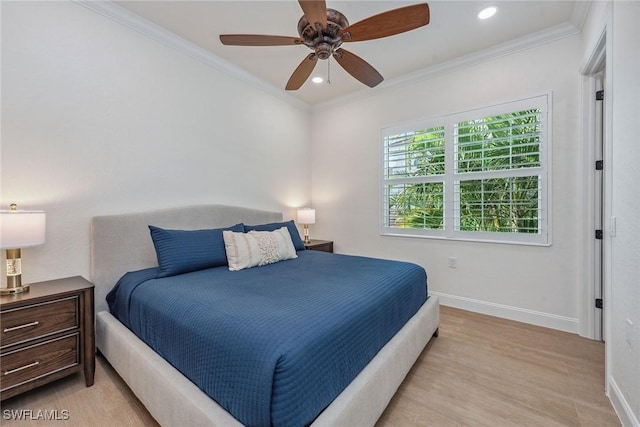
620, 405
553, 321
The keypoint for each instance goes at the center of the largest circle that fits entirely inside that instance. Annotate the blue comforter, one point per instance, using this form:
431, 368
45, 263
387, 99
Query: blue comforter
273, 345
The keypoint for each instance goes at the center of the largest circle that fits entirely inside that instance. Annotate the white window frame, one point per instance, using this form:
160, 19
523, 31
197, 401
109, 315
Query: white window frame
543, 238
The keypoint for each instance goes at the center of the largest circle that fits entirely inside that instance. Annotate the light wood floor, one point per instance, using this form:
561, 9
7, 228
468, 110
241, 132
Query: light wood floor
480, 371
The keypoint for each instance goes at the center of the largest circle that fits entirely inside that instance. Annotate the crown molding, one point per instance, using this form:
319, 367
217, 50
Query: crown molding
130, 20
529, 41
580, 12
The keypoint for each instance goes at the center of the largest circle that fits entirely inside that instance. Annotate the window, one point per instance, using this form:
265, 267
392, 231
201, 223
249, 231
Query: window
477, 175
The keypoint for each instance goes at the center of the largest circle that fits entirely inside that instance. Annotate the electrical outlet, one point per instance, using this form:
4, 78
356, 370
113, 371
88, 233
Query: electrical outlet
453, 262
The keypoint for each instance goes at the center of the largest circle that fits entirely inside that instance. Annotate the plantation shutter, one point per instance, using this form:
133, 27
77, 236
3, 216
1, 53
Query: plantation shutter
414, 165
476, 175
504, 142
497, 173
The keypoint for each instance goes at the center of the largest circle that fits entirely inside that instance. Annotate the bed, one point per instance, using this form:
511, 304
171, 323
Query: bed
121, 244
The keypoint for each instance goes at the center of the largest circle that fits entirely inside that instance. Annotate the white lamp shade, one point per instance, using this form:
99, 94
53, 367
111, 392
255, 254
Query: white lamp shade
306, 216
21, 229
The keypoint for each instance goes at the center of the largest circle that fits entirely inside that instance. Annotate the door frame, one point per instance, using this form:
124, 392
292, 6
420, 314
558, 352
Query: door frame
591, 318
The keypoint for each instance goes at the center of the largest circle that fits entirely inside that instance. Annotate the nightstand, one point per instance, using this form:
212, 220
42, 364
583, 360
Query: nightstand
320, 245
47, 333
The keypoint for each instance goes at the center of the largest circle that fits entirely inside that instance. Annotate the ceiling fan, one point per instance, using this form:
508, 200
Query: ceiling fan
324, 30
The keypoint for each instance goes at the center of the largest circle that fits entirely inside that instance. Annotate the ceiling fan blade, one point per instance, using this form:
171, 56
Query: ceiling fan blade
358, 67
258, 40
302, 73
315, 11
387, 23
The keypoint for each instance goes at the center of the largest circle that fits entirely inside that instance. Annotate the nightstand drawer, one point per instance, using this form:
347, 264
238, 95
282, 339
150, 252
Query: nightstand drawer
33, 362
38, 320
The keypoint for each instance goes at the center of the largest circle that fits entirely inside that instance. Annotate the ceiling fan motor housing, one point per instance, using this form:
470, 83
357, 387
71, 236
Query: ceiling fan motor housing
324, 41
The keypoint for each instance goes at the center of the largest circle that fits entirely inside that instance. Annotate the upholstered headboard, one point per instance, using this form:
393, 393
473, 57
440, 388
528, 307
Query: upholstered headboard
122, 243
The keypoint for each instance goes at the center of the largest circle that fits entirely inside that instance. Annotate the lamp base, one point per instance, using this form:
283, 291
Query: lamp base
307, 240
14, 274
15, 290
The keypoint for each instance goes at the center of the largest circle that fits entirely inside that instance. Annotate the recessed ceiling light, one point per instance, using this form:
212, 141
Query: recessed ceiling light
317, 79
487, 12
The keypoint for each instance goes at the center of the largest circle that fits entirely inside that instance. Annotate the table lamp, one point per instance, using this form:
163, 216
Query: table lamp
306, 216
19, 229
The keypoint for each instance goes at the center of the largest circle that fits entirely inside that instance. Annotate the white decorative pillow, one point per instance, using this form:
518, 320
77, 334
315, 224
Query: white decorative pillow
256, 248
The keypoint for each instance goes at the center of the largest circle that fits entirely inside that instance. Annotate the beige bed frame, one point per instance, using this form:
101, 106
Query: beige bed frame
121, 243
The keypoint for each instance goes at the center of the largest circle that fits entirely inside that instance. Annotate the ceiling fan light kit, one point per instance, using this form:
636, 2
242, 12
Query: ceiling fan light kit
324, 30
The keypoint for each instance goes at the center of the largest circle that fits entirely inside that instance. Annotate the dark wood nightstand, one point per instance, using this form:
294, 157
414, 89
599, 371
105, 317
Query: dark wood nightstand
47, 333
319, 245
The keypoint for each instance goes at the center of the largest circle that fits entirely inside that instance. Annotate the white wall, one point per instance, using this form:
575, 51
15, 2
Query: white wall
623, 341
99, 119
618, 20
536, 284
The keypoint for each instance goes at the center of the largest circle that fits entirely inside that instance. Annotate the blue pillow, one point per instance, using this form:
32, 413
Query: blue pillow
181, 251
291, 226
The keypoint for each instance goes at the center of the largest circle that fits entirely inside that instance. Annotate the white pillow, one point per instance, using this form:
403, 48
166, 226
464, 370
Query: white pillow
256, 248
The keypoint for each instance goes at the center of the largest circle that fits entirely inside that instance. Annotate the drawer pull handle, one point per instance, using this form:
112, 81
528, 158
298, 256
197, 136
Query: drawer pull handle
11, 371
26, 325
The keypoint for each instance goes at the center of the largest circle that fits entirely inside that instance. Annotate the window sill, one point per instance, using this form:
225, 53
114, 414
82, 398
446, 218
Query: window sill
413, 235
